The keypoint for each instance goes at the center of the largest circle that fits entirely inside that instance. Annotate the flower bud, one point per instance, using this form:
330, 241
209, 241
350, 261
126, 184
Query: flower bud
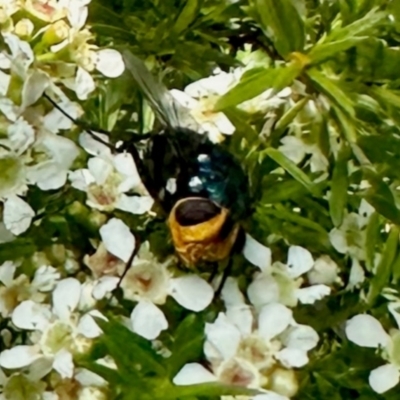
24, 28
56, 33
284, 382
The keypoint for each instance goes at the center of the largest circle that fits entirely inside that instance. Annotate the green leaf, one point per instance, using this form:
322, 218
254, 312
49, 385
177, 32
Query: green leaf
325, 51
133, 354
290, 167
339, 186
372, 234
382, 274
381, 197
386, 97
282, 23
331, 90
359, 27
282, 213
188, 343
288, 118
186, 16
257, 81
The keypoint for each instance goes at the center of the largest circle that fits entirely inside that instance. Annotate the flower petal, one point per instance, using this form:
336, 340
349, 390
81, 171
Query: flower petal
263, 290
134, 204
269, 396
118, 239
45, 278
17, 215
19, 356
258, 254
383, 378
87, 325
64, 364
30, 315
66, 297
242, 317
106, 284
310, 295
148, 320
89, 378
7, 271
193, 373
301, 337
223, 335
299, 261
366, 331
84, 84
34, 86
110, 63
191, 292
94, 147
21, 135
231, 294
292, 358
274, 318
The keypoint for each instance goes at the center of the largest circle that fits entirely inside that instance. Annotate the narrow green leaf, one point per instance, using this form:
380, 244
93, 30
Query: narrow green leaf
372, 234
282, 213
386, 97
288, 117
350, 133
129, 349
381, 197
359, 27
186, 16
282, 23
329, 87
396, 269
241, 124
382, 274
290, 167
188, 343
339, 186
325, 51
257, 81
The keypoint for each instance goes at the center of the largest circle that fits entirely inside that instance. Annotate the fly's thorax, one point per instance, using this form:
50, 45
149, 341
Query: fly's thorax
201, 230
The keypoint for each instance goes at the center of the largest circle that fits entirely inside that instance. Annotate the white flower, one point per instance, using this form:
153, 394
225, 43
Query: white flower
14, 290
106, 182
243, 353
281, 283
58, 334
366, 331
349, 237
202, 110
324, 271
52, 173
149, 282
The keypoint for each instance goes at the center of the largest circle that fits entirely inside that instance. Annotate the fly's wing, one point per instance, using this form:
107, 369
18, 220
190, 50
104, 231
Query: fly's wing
169, 112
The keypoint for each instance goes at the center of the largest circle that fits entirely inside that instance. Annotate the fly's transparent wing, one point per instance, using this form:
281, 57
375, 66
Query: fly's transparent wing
171, 113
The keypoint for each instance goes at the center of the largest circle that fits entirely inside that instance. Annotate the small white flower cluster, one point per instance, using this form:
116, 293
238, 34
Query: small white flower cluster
258, 345
254, 349
31, 152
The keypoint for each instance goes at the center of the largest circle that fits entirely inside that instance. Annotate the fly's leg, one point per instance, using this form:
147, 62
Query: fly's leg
135, 137
225, 274
214, 271
129, 262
